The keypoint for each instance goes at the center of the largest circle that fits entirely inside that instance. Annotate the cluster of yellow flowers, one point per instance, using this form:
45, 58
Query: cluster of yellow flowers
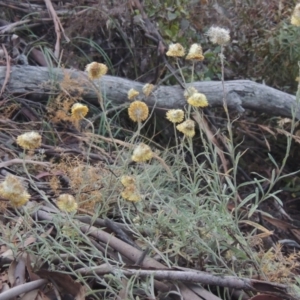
95, 71
130, 191
33, 140
138, 111
217, 35
141, 153
13, 190
195, 99
147, 90
195, 53
187, 127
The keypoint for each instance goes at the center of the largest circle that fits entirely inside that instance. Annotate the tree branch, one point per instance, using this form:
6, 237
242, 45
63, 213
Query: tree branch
241, 94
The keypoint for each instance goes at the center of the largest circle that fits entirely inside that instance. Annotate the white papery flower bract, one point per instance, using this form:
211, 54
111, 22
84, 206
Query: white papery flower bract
218, 35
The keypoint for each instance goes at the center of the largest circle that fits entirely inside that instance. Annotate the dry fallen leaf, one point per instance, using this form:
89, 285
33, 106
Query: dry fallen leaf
65, 283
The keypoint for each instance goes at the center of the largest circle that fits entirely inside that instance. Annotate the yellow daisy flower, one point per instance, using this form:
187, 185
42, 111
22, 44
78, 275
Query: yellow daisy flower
79, 111
131, 193
132, 93
188, 92
138, 111
175, 115
147, 89
175, 50
195, 53
127, 180
29, 140
66, 203
187, 128
142, 153
198, 100
96, 70
13, 190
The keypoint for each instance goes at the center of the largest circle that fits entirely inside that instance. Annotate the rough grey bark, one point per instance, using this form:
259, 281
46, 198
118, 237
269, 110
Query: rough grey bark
37, 82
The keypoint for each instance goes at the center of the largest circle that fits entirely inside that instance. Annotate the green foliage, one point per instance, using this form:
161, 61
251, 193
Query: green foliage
263, 40
172, 17
266, 44
281, 54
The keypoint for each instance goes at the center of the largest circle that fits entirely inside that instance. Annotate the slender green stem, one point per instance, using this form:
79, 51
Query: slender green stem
33, 184
229, 128
102, 106
193, 70
176, 138
137, 133
92, 138
180, 71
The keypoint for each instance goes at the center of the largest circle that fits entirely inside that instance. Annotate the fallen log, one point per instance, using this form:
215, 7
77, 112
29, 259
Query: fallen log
38, 82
